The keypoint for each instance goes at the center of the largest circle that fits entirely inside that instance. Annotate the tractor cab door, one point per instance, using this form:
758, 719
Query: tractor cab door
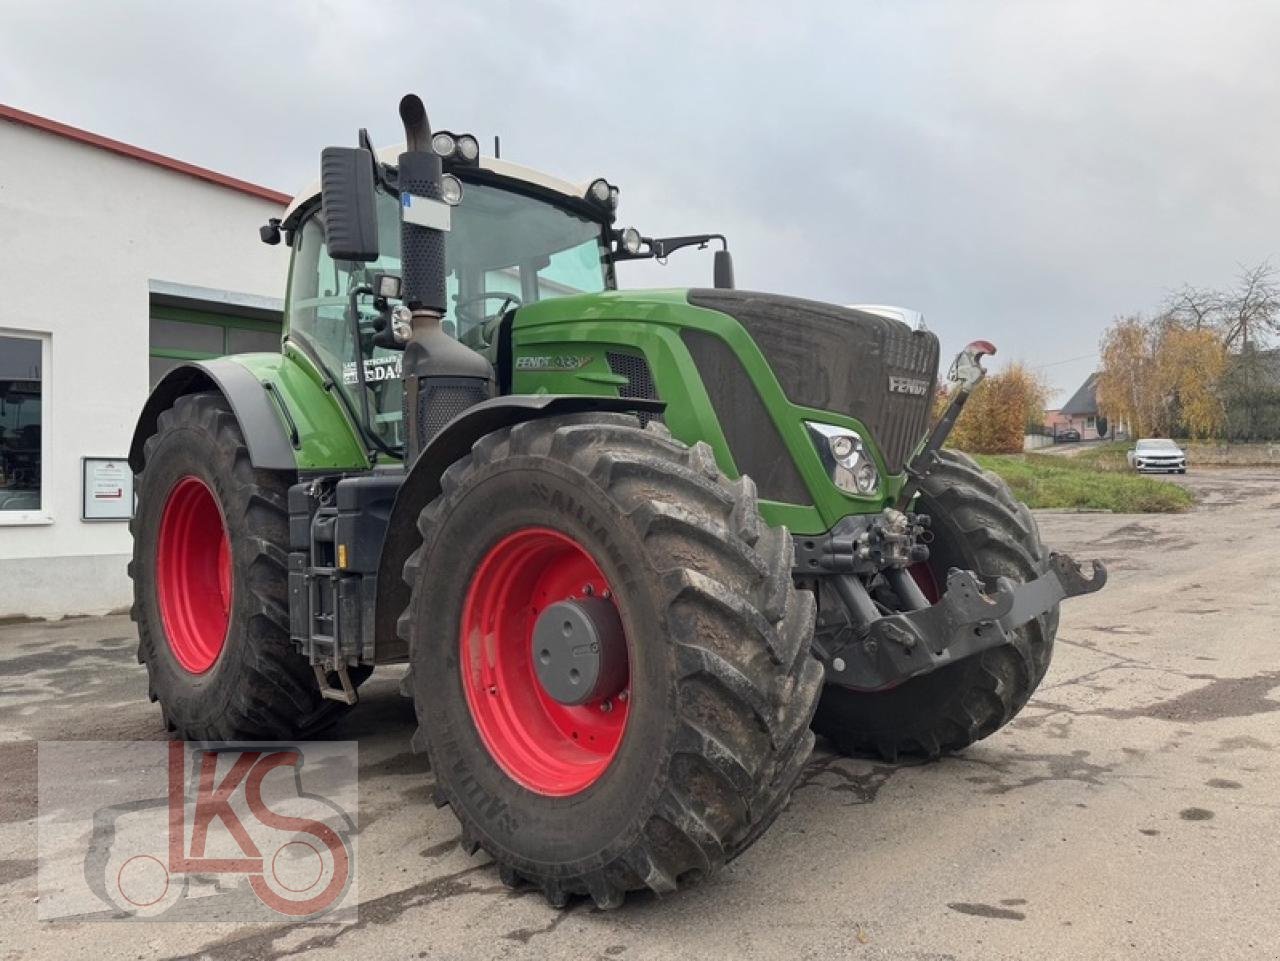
333, 319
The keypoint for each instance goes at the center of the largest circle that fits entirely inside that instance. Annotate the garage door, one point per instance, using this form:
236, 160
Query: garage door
180, 334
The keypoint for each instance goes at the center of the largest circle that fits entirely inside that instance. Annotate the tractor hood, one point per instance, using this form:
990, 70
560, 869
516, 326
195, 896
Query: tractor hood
872, 368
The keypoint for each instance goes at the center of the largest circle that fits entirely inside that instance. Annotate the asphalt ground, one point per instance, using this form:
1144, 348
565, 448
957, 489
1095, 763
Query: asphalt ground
1131, 811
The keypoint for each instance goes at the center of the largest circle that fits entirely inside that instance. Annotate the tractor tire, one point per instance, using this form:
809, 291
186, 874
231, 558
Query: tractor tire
978, 525
696, 747
210, 584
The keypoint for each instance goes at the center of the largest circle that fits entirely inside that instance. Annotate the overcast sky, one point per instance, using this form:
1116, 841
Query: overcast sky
1019, 171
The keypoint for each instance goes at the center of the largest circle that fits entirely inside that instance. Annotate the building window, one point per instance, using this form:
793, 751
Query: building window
1091, 423
179, 335
23, 382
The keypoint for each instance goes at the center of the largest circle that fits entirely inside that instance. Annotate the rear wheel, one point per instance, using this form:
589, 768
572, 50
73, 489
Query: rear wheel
978, 525
210, 584
611, 666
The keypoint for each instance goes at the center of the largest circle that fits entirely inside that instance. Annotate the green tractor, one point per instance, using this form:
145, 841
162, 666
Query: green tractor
628, 542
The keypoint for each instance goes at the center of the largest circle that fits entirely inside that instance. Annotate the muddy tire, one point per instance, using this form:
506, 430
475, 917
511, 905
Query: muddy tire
978, 525
210, 584
719, 687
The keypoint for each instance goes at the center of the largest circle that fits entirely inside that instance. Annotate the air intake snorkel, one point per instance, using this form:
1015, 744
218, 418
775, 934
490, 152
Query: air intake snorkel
441, 376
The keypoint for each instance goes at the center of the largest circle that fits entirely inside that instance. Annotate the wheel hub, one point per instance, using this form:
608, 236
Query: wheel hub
550, 731
580, 651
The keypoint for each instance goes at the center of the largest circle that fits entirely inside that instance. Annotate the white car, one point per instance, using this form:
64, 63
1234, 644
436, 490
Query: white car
1158, 454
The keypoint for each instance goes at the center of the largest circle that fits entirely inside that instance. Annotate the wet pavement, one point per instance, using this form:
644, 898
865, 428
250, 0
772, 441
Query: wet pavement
1133, 810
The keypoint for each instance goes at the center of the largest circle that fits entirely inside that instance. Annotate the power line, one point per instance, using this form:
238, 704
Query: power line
1069, 360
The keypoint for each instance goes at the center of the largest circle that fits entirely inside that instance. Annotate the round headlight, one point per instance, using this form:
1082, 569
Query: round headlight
631, 240
401, 323
468, 148
451, 190
613, 197
866, 478
842, 446
444, 144
599, 191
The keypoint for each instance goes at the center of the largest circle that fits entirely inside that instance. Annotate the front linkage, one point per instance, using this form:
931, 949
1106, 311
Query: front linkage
881, 649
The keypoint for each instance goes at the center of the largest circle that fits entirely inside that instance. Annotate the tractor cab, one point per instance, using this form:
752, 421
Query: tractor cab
516, 237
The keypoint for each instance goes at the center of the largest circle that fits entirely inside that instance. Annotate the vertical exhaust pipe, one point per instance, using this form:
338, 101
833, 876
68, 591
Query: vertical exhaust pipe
421, 248
441, 376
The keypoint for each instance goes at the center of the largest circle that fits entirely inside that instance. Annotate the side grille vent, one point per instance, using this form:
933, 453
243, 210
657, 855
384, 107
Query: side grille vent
442, 399
639, 379
754, 442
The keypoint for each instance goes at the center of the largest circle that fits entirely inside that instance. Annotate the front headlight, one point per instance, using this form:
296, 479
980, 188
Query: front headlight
845, 456
450, 190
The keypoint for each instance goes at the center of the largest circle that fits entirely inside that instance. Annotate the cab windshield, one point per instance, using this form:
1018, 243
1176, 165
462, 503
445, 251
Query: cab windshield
505, 249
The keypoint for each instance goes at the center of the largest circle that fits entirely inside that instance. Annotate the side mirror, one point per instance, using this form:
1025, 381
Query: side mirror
722, 270
349, 201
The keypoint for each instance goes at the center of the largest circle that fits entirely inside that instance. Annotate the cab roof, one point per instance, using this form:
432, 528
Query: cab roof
502, 168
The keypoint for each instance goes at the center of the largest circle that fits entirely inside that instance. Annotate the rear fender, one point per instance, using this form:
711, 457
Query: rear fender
269, 442
289, 420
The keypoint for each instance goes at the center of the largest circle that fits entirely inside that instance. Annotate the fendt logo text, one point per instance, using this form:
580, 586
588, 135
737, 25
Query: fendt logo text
908, 385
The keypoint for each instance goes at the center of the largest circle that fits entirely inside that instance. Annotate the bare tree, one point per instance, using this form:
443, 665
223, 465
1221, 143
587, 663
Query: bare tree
1195, 308
1250, 314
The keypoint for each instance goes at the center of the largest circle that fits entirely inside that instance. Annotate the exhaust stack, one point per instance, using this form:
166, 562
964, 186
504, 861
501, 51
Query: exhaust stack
442, 376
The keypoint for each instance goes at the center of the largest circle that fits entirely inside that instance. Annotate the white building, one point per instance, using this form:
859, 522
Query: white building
115, 263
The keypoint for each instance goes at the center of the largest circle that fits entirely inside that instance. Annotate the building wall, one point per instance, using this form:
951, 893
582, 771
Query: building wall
84, 231
1056, 422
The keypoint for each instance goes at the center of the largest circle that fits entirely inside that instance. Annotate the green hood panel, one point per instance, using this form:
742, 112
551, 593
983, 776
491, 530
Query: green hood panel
564, 346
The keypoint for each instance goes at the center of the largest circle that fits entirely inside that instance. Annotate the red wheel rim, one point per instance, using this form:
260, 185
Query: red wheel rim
193, 575
548, 747
922, 574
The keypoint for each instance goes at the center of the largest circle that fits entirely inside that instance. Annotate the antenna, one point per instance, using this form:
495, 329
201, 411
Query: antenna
497, 147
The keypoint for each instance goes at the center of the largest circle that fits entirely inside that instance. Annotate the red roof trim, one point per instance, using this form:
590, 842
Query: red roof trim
137, 153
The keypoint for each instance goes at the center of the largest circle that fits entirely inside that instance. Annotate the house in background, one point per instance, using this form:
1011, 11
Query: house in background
1080, 413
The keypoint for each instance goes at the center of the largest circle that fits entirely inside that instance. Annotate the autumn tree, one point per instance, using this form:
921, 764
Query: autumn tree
995, 418
1163, 376
1198, 366
1187, 368
1126, 388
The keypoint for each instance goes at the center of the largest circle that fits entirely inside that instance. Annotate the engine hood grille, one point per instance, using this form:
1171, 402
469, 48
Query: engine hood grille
832, 358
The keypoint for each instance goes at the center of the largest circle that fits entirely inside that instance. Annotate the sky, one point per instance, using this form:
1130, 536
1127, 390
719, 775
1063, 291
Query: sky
1021, 172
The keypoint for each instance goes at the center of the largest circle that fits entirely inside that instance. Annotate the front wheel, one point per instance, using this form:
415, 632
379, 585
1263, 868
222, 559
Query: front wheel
611, 666
978, 525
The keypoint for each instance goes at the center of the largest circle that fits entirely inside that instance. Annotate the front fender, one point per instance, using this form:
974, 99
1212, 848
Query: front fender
422, 484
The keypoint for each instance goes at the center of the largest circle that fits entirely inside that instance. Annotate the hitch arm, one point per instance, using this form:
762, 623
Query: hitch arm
885, 651
967, 373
